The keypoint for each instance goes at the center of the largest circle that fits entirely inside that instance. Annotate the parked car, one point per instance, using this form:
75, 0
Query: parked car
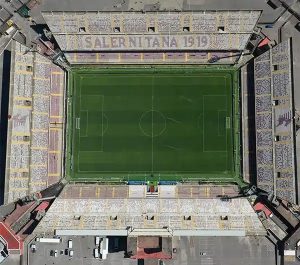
70, 243
33, 248
96, 253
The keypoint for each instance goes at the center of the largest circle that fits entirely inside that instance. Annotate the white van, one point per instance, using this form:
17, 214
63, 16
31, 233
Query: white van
96, 253
104, 248
97, 240
9, 30
71, 253
70, 243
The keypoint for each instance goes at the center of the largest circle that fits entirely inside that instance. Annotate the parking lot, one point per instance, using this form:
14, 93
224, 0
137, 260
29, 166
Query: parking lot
83, 253
189, 251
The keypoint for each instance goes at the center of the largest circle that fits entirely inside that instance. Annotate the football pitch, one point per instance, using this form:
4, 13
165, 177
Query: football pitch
151, 124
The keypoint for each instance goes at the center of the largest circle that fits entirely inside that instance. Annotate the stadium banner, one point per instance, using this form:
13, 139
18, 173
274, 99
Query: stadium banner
117, 42
147, 42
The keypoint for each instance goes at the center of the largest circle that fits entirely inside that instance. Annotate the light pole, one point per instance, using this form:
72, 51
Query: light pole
216, 58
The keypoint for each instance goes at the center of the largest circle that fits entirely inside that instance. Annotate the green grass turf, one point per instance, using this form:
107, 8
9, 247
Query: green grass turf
151, 124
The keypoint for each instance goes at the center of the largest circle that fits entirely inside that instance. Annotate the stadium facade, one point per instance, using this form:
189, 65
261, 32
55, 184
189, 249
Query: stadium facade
138, 125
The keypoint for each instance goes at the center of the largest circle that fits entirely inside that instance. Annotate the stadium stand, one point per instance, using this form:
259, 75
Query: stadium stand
274, 122
87, 37
35, 129
89, 207
151, 57
186, 191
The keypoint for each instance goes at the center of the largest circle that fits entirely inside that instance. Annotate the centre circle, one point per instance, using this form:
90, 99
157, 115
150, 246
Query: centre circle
152, 123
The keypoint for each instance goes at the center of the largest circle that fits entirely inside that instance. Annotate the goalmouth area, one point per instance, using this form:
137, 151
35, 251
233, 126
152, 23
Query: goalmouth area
153, 123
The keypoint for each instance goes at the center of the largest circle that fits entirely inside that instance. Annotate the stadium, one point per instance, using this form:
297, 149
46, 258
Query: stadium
149, 133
